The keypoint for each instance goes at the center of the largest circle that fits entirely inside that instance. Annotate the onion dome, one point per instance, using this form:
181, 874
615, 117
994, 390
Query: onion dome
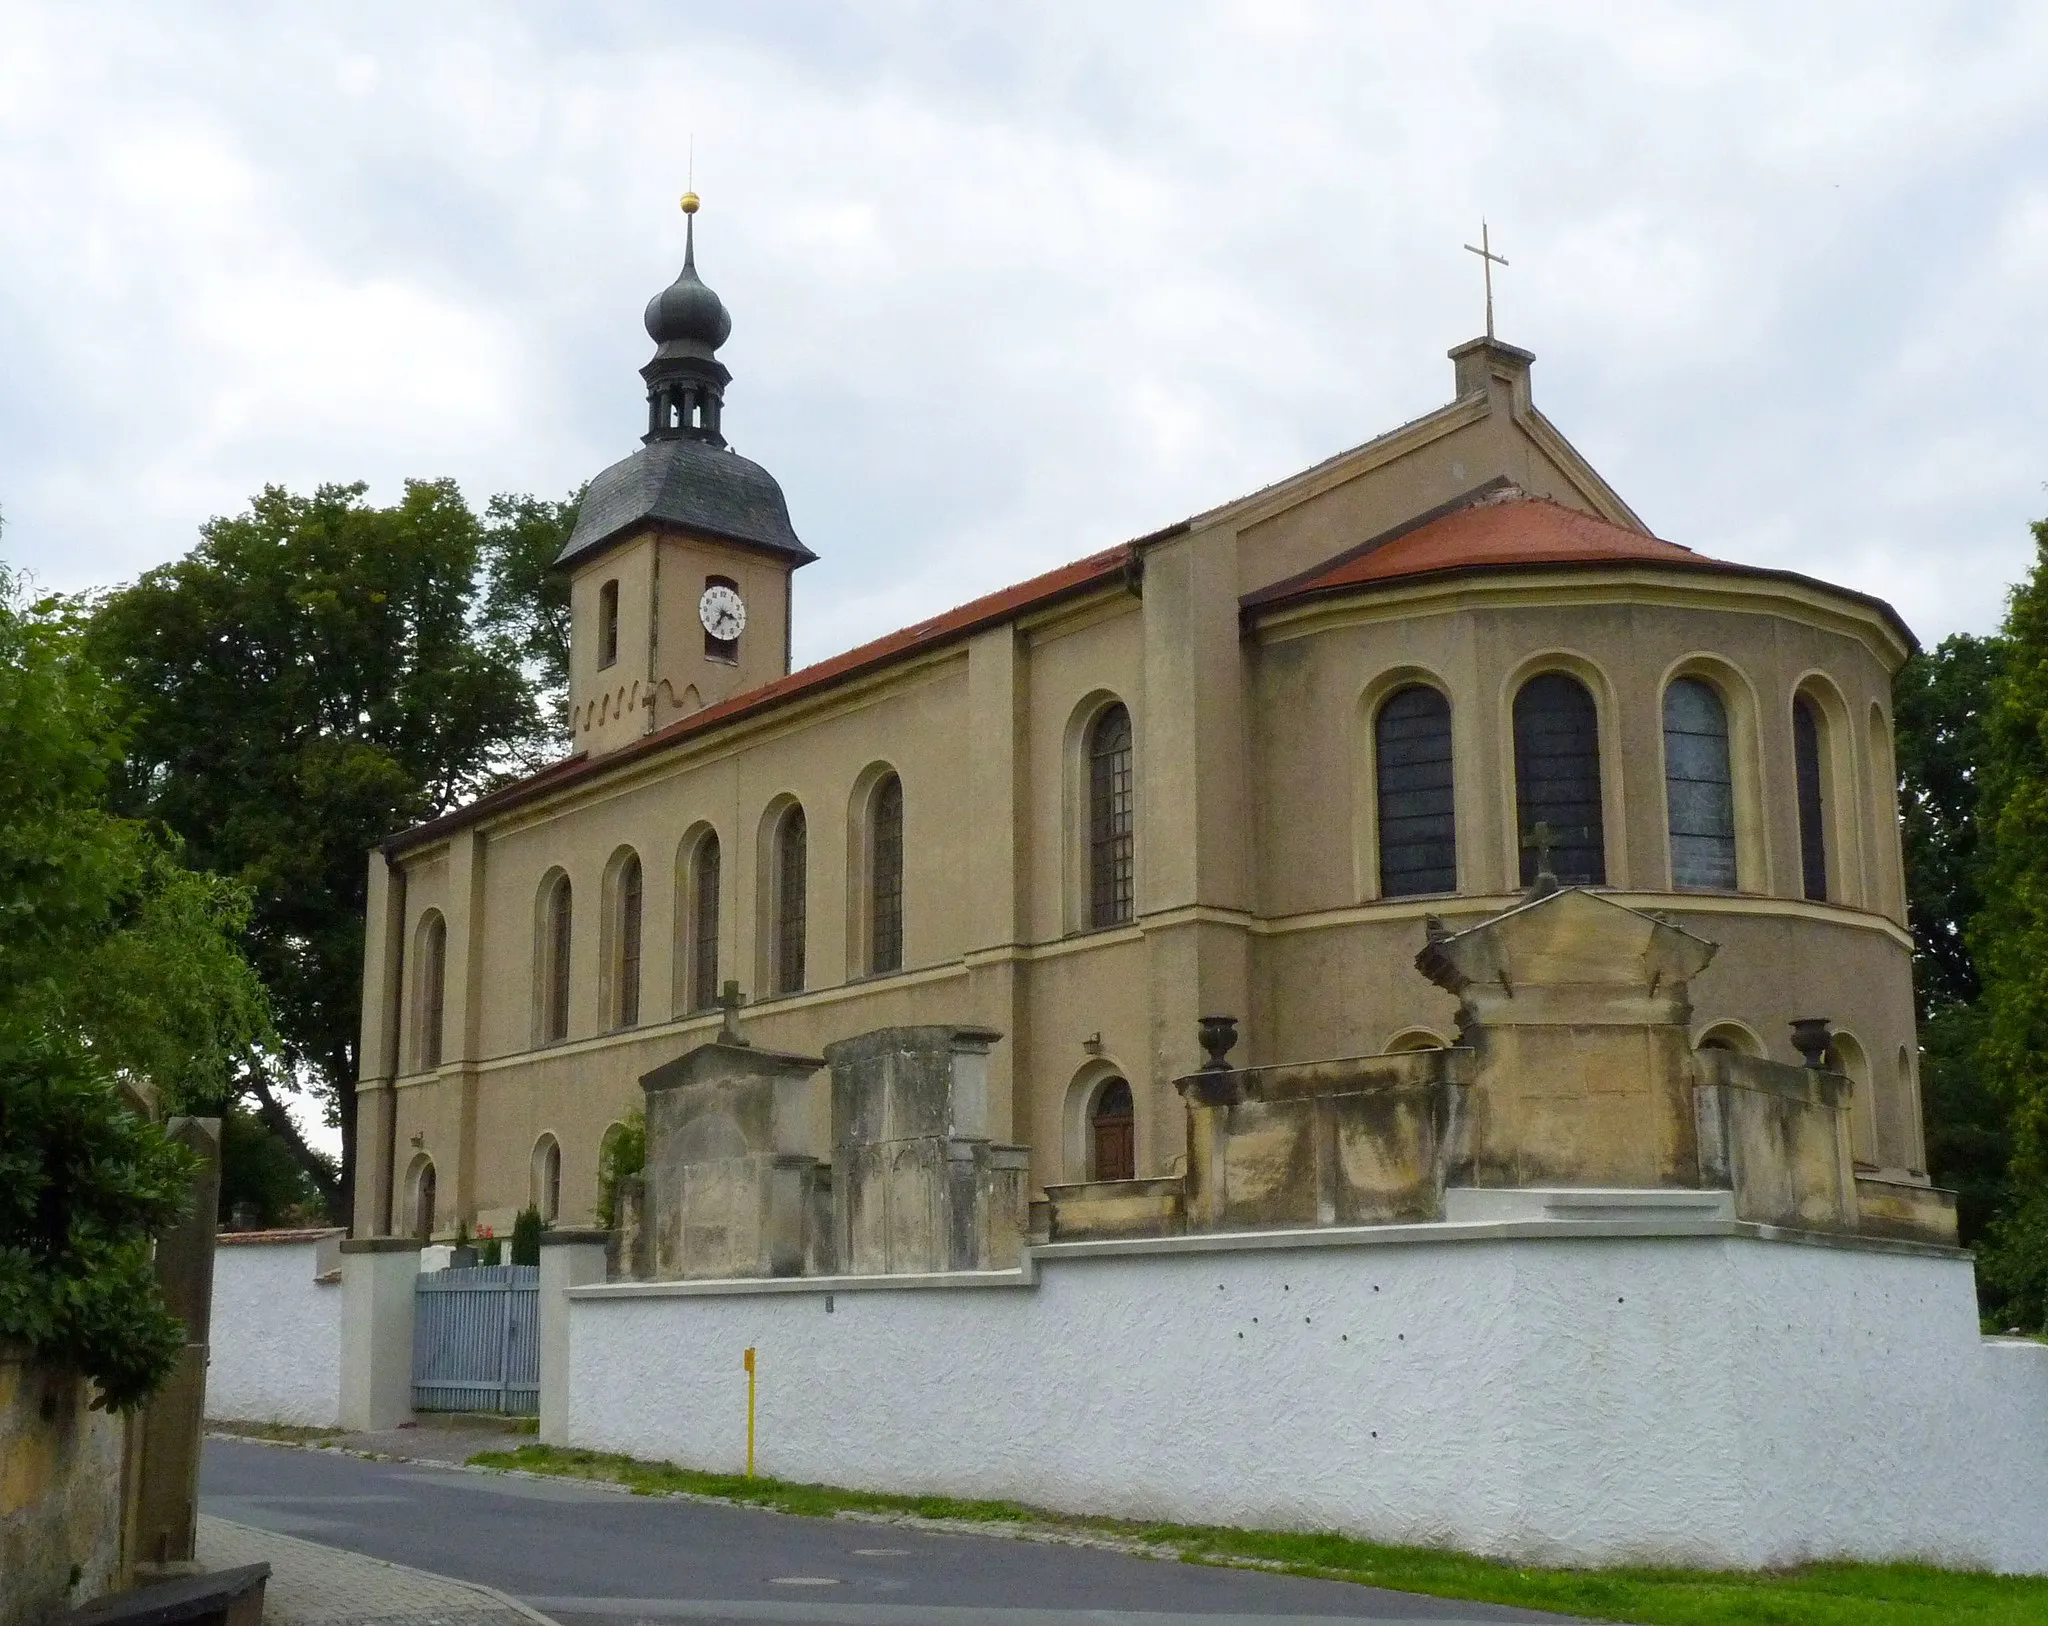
686, 315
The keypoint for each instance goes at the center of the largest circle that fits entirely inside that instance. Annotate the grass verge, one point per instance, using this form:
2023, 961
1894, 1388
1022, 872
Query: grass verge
1812, 1595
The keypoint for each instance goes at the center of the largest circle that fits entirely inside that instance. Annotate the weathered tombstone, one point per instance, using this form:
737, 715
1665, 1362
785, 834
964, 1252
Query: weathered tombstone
729, 1188
918, 1185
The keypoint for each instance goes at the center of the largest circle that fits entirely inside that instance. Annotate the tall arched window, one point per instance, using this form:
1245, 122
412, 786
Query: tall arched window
885, 876
1699, 788
1808, 732
1417, 816
1557, 779
703, 939
625, 951
430, 991
554, 961
791, 903
1112, 1133
1112, 827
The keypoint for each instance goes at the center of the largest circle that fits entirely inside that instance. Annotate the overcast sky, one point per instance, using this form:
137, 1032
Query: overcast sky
1013, 282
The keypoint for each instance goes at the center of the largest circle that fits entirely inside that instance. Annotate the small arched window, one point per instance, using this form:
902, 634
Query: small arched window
430, 992
1112, 1133
1557, 779
1699, 788
625, 967
554, 961
1112, 825
885, 876
703, 936
791, 903
421, 1199
607, 624
1809, 781
1417, 817
547, 1178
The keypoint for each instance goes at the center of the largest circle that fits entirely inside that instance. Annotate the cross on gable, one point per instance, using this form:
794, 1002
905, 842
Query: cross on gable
1544, 839
1488, 259
730, 999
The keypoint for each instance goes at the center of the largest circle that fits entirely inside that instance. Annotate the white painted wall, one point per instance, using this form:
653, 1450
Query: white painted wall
276, 1334
1711, 1399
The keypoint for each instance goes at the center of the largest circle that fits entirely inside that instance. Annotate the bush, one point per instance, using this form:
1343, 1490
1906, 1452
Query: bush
526, 1230
624, 1153
86, 1184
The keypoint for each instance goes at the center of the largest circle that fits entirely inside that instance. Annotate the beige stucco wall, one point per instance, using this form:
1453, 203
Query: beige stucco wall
1256, 869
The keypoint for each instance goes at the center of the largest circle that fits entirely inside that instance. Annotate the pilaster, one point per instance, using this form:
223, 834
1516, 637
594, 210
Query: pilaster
376, 1106
996, 702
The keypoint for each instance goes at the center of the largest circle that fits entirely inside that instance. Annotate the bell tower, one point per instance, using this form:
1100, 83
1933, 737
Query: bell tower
680, 562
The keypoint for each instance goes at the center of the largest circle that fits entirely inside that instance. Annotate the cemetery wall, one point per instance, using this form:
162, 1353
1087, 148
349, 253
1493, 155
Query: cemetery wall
1714, 1396
276, 1333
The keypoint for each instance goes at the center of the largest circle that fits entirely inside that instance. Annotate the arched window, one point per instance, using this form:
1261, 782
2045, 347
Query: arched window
430, 991
1417, 823
420, 1199
554, 961
1557, 779
547, 1178
1112, 828
791, 911
1809, 780
885, 876
703, 930
625, 943
607, 624
1112, 1133
1699, 788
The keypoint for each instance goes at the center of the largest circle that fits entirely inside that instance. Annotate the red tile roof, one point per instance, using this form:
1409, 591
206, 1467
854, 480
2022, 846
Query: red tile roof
1516, 530
990, 610
1511, 531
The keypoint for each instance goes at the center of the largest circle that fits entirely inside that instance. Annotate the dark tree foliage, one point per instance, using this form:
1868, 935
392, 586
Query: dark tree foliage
527, 600
86, 1184
117, 968
1942, 704
526, 1230
2009, 941
316, 675
1942, 707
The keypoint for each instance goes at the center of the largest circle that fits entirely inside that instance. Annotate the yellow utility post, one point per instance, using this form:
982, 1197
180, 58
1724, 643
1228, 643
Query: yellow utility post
749, 1364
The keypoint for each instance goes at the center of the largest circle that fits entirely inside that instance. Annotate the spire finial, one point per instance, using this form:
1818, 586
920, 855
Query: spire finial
690, 206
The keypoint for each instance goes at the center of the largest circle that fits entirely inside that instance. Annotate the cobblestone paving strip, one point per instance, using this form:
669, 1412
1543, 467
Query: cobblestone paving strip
312, 1585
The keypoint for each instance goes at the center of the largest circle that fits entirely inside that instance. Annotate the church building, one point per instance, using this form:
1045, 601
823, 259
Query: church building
1231, 766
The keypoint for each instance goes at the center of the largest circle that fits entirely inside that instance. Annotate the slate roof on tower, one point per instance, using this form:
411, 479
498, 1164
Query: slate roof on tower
695, 485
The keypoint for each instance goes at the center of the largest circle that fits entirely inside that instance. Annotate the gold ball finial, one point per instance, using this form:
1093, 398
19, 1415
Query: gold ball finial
689, 203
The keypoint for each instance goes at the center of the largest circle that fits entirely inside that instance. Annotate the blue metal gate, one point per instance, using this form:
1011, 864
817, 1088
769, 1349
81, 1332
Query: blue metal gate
476, 1339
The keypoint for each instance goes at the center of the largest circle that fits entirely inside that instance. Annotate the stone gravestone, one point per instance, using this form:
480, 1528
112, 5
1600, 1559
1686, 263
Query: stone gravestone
919, 1186
730, 1190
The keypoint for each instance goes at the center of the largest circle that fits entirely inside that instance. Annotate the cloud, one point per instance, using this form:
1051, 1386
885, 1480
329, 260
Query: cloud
1010, 284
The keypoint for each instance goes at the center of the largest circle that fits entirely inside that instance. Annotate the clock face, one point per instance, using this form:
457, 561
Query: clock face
723, 613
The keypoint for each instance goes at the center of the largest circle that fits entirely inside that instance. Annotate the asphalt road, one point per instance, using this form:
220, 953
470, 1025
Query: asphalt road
594, 1557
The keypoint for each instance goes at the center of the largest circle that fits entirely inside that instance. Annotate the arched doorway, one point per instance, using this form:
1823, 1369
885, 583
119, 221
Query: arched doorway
1113, 1133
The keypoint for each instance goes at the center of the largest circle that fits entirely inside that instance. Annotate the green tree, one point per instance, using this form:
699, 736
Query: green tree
119, 978
526, 599
316, 675
2009, 943
1943, 703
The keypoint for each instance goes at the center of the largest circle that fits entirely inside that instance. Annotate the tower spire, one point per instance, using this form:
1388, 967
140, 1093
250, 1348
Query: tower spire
687, 322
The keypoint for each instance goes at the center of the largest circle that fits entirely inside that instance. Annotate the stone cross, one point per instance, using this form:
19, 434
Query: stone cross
730, 999
1489, 260
1543, 839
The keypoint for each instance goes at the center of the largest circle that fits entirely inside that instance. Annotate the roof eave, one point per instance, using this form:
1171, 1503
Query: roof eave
1255, 606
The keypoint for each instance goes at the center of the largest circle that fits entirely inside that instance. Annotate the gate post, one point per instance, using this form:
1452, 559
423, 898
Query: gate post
568, 1258
378, 1274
